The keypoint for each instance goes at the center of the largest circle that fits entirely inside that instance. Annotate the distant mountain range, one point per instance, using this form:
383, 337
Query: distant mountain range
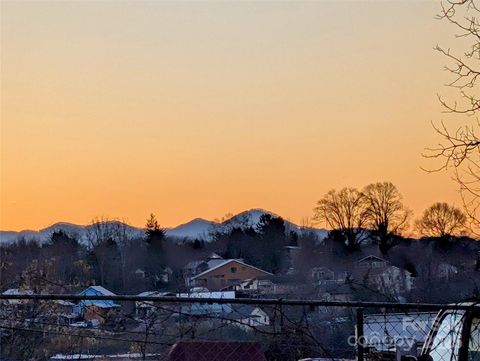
197, 228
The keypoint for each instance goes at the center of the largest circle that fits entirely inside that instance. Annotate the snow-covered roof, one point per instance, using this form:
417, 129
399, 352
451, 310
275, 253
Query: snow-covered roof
214, 255
225, 262
154, 294
89, 356
292, 247
214, 294
215, 262
198, 289
242, 312
17, 291
64, 303
99, 289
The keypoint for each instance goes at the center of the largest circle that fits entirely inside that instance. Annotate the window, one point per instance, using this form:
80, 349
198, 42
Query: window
233, 269
446, 342
474, 342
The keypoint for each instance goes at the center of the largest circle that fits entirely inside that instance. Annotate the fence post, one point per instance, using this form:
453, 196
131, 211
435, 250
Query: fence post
359, 334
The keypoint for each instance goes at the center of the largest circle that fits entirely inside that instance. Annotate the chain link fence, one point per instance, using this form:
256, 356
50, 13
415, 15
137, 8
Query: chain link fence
167, 328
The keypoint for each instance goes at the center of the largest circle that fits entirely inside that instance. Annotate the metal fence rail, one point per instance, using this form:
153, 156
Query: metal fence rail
256, 301
126, 327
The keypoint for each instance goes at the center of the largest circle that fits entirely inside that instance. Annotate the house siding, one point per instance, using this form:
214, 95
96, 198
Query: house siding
231, 273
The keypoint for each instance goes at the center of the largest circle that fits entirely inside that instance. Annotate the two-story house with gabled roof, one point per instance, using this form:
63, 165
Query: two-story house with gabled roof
383, 276
225, 273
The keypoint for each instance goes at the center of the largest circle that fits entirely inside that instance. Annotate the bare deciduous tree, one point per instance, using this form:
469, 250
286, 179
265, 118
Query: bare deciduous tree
460, 150
104, 235
385, 214
441, 220
343, 211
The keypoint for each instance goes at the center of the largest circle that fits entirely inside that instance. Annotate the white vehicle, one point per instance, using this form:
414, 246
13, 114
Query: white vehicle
454, 336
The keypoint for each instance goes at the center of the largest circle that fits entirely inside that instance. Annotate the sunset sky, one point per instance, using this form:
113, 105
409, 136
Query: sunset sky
196, 109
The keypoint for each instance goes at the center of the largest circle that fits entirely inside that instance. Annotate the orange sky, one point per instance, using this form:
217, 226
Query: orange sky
197, 109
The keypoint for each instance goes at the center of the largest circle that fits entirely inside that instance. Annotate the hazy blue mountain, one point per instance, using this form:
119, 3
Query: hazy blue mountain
197, 228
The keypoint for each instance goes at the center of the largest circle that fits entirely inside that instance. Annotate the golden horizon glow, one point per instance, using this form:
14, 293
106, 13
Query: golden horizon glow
187, 110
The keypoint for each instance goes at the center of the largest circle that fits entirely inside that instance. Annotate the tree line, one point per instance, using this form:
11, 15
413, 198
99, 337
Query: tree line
112, 258
377, 213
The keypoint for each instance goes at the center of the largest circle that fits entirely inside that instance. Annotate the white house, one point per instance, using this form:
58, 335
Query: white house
394, 280
248, 317
17, 292
383, 276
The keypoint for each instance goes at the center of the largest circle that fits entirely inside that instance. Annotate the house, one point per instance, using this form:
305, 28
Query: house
192, 269
96, 309
64, 310
17, 292
164, 276
197, 309
292, 253
342, 276
324, 277
63, 306
144, 309
382, 276
248, 317
391, 279
372, 262
446, 271
321, 275
226, 272
394, 280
